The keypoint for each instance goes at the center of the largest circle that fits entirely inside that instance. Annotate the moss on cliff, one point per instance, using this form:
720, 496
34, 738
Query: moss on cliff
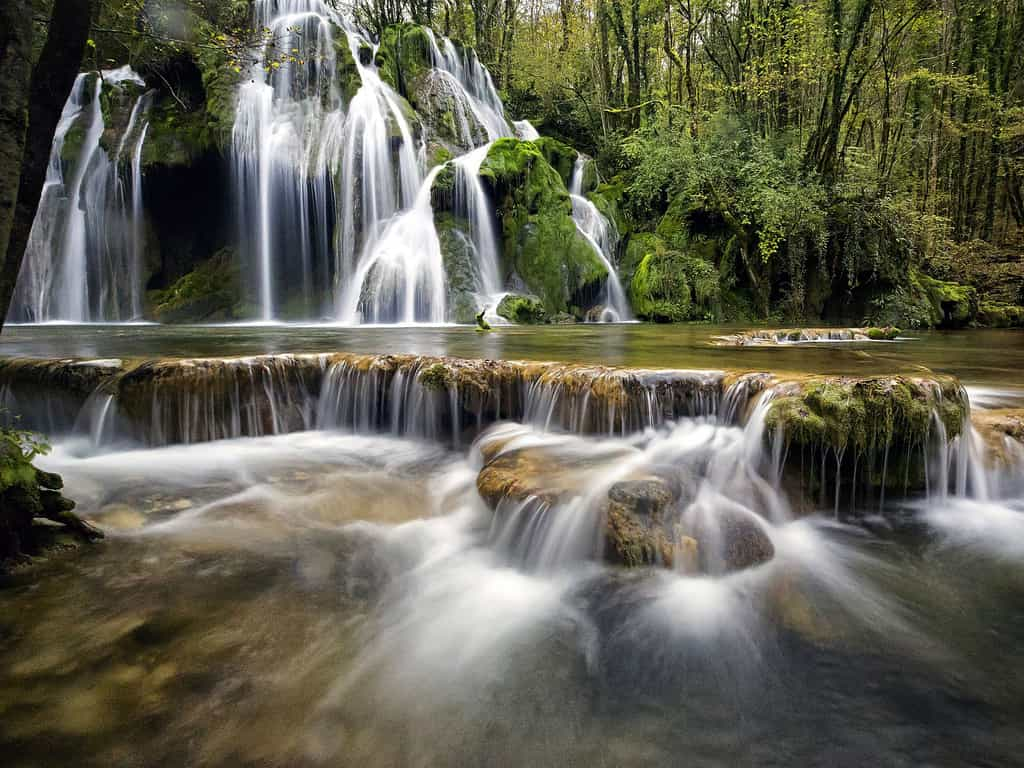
210, 292
560, 156
404, 55
541, 243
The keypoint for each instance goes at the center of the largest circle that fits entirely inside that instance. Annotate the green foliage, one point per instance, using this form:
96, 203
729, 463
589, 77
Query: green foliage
18, 449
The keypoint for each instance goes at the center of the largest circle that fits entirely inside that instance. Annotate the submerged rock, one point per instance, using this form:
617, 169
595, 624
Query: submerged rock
770, 336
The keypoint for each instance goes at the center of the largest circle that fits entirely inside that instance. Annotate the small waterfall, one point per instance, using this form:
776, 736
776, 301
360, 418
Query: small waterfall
83, 262
476, 82
525, 130
603, 238
279, 154
401, 277
472, 201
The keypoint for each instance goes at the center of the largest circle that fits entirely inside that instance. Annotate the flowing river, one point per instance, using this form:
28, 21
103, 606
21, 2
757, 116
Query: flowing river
342, 594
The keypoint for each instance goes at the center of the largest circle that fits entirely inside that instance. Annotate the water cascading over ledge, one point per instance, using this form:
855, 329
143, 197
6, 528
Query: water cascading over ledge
161, 402
85, 257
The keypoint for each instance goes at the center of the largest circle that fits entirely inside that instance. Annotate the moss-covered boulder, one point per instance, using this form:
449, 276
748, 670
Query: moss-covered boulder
920, 301
541, 244
28, 494
669, 286
460, 266
403, 56
560, 156
212, 291
525, 310
864, 433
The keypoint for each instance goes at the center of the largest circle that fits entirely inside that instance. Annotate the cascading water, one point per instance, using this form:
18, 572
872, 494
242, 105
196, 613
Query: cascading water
83, 262
471, 200
602, 237
330, 192
475, 81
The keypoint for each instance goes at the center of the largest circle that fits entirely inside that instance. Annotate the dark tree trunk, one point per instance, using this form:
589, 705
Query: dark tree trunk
52, 78
16, 66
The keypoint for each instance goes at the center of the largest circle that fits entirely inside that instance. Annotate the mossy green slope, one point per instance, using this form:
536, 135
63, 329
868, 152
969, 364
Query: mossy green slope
540, 242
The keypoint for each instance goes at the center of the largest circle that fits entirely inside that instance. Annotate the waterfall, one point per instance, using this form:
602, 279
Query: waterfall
476, 82
472, 201
83, 262
602, 237
401, 277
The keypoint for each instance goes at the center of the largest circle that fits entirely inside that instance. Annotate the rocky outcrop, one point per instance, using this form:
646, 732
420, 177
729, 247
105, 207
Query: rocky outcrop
642, 520
525, 310
29, 495
771, 336
667, 285
865, 434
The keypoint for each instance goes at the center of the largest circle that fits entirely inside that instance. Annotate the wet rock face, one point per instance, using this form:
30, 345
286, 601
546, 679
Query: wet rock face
1002, 430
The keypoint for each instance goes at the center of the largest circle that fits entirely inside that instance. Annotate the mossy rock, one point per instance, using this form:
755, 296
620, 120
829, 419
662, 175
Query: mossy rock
212, 291
869, 430
955, 305
345, 69
560, 156
607, 199
404, 55
673, 227
521, 309
997, 314
668, 286
541, 244
888, 333
460, 266
442, 106
176, 137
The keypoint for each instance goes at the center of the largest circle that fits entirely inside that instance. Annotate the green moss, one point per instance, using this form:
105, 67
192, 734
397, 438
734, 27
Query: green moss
560, 156
673, 228
669, 286
525, 310
435, 377
540, 241
346, 72
437, 154
882, 334
210, 292
954, 305
996, 314
403, 55
607, 199
871, 426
